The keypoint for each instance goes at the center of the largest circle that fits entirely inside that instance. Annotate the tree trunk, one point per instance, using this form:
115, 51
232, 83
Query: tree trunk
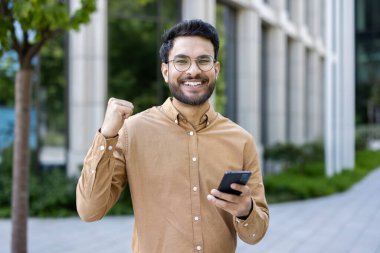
20, 196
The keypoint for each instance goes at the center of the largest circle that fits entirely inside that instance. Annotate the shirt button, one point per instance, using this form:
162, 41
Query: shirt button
245, 225
199, 247
109, 147
194, 159
196, 218
101, 147
191, 133
195, 188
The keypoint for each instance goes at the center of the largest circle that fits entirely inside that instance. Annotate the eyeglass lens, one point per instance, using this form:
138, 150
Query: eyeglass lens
183, 63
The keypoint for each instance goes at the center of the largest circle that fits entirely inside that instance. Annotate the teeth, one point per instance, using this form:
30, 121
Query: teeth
193, 83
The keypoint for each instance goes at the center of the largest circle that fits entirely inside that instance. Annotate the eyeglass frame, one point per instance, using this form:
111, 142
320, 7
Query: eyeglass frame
191, 62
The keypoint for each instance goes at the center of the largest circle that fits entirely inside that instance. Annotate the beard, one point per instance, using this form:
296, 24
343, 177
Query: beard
195, 100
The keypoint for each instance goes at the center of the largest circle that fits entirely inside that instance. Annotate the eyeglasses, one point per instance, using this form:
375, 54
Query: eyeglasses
183, 62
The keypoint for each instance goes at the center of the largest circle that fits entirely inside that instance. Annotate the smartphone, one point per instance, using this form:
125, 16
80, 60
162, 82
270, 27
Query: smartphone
230, 177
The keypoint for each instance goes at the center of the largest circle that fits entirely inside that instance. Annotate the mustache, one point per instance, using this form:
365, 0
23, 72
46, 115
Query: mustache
197, 77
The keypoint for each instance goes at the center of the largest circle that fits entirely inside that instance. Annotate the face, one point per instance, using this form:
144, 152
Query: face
192, 86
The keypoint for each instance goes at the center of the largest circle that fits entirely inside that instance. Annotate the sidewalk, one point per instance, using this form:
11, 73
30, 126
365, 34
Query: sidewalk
348, 222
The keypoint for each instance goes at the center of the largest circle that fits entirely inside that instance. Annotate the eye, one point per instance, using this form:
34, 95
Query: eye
181, 61
204, 61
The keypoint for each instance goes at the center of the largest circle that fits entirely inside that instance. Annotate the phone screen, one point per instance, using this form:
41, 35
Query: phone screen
230, 177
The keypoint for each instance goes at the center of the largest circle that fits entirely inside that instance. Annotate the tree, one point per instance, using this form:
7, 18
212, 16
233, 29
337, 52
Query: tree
25, 27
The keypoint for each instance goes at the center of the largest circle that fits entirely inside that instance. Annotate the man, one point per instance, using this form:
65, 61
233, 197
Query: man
173, 157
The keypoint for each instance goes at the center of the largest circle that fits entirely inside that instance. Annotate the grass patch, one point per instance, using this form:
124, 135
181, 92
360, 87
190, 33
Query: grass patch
293, 185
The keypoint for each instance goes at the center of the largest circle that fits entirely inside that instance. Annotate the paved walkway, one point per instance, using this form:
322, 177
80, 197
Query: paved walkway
348, 222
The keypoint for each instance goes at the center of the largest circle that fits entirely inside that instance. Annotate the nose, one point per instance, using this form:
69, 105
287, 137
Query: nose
194, 69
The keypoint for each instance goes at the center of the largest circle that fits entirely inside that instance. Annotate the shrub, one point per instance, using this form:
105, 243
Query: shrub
51, 192
292, 185
293, 156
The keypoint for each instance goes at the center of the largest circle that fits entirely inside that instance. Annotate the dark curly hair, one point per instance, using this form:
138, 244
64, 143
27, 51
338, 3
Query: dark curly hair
193, 27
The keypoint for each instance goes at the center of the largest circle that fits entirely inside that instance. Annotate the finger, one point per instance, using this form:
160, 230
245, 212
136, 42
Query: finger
227, 206
125, 112
225, 196
120, 102
245, 190
124, 108
124, 103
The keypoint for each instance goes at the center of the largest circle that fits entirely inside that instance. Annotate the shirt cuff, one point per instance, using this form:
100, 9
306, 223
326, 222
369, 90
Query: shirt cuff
104, 146
244, 221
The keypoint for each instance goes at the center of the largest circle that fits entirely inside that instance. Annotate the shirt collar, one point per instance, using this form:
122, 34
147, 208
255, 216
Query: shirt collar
170, 111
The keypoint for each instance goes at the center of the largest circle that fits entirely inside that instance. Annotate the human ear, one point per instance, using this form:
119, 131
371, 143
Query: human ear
165, 71
217, 69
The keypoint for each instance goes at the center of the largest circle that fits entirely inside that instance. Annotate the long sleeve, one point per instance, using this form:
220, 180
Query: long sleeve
103, 177
253, 229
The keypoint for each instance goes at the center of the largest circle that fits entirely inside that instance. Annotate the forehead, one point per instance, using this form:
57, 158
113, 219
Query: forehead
192, 46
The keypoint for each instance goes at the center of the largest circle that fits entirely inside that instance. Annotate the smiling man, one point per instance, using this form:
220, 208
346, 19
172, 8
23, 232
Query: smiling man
173, 157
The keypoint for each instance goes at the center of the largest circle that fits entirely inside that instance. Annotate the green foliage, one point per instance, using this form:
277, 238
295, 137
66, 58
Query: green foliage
291, 155
7, 74
5, 182
365, 133
51, 192
376, 94
220, 89
51, 90
291, 185
135, 28
39, 20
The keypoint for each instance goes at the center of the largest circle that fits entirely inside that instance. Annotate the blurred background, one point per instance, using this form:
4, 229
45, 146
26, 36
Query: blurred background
302, 76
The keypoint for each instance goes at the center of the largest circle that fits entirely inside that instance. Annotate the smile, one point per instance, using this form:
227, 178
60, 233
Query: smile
188, 83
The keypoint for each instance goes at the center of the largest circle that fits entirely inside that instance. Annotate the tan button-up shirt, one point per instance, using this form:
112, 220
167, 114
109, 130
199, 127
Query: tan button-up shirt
170, 167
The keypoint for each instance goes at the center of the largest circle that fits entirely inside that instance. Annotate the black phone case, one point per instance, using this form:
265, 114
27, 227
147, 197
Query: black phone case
238, 177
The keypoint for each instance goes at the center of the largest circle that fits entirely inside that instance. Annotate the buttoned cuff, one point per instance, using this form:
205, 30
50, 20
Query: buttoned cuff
104, 146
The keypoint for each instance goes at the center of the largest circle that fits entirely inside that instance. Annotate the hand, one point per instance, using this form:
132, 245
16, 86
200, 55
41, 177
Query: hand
238, 206
117, 111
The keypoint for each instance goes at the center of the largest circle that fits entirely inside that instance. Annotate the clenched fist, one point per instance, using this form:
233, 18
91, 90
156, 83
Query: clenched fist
117, 111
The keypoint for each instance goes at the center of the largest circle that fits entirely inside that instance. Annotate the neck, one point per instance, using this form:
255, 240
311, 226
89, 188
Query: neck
192, 113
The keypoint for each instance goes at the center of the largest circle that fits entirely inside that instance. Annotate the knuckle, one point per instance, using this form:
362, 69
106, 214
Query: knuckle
223, 204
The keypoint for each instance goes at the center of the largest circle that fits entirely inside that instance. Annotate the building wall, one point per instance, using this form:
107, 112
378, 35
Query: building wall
87, 67
293, 57
294, 72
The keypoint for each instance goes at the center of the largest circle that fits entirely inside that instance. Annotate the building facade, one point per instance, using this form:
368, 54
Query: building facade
290, 76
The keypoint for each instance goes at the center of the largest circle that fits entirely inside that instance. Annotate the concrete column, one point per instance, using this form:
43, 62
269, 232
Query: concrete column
317, 17
199, 9
297, 11
278, 5
348, 84
313, 98
313, 16
248, 72
339, 87
321, 100
296, 103
328, 91
87, 84
276, 87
